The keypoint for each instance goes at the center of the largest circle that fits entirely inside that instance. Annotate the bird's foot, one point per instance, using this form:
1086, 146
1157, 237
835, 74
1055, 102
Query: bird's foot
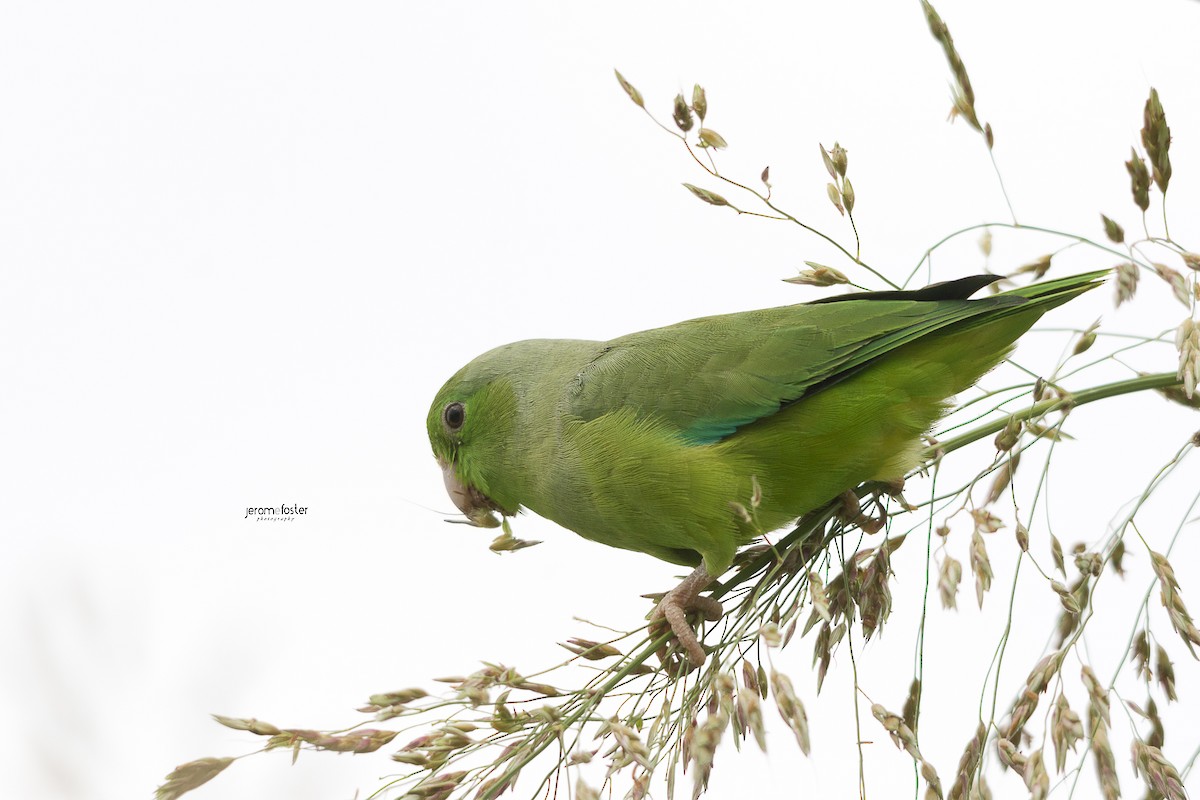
672, 611
852, 514
894, 488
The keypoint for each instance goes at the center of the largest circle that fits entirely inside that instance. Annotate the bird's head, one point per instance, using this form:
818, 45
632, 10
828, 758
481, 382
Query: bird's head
470, 427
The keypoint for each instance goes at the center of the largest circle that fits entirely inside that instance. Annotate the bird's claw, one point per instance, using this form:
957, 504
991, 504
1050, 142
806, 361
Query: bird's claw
852, 514
672, 611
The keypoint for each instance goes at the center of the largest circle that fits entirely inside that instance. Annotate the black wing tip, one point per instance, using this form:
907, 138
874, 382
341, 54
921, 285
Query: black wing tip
957, 289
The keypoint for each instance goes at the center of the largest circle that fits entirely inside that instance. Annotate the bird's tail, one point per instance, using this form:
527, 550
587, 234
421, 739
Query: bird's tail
1050, 294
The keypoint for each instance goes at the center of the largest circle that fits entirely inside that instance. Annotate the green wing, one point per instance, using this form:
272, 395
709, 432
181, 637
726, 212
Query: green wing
708, 377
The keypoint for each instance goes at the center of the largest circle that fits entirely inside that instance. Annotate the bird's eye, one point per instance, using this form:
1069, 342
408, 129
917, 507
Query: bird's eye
454, 415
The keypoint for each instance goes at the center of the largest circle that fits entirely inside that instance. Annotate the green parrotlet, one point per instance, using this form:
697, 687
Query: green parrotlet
647, 442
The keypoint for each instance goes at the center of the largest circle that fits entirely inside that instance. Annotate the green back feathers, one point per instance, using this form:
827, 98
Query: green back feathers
709, 377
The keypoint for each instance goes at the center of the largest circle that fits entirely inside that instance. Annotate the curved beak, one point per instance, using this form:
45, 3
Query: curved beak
469, 500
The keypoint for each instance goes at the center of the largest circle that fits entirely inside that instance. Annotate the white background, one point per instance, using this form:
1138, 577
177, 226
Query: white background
242, 245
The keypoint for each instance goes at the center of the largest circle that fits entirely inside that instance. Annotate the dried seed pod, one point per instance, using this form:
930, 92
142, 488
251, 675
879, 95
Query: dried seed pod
1112, 230
252, 725
1141, 655
820, 599
985, 521
1127, 281
968, 764
187, 777
948, 580
712, 198
682, 114
791, 709
1116, 557
1003, 478
1009, 755
1009, 435
630, 90
1066, 730
1039, 267
1156, 138
1056, 552
1086, 339
828, 161
840, 159
1158, 733
699, 102
981, 565
749, 677
1106, 763
1035, 777
1174, 279
1066, 597
710, 138
750, 707
1160, 775
1173, 602
1165, 671
985, 243
931, 777
592, 651
912, 704
1139, 180
585, 792
835, 197
819, 275
1187, 339
964, 95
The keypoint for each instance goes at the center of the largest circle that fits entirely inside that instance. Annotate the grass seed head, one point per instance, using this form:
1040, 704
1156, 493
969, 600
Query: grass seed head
1139, 180
1114, 232
750, 710
1066, 597
948, 579
1187, 340
252, 725
699, 101
189, 776
968, 764
1156, 138
1141, 655
981, 565
1106, 764
1173, 601
682, 114
1066, 730
1165, 672
1039, 267
1056, 552
1179, 285
791, 709
1160, 775
1127, 281
710, 138
835, 197
1035, 777
630, 90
